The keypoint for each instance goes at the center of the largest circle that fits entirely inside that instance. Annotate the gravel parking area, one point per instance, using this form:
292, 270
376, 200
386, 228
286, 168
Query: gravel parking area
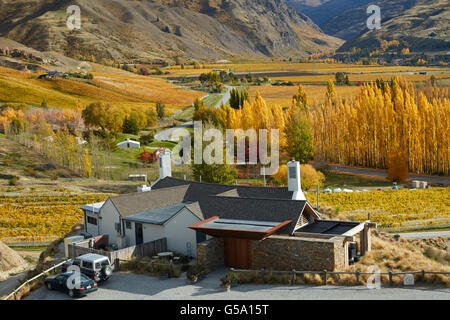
129, 286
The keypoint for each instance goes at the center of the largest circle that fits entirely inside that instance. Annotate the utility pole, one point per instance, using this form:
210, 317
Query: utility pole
317, 197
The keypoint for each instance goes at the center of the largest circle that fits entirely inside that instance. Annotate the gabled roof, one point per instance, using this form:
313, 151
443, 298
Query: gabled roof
206, 200
200, 188
159, 216
132, 203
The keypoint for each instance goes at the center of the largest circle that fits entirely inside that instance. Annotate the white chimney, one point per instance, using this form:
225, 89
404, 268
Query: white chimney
294, 182
165, 164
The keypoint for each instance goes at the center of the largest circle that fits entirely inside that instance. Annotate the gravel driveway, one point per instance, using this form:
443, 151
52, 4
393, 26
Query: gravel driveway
128, 286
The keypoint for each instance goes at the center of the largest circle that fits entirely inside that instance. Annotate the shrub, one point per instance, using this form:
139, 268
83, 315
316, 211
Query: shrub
32, 172
14, 181
146, 139
310, 177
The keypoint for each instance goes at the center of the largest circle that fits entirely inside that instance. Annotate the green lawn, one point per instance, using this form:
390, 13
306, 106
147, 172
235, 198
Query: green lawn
212, 100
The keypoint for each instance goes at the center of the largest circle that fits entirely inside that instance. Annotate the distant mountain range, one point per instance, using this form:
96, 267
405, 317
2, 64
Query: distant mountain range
423, 24
153, 30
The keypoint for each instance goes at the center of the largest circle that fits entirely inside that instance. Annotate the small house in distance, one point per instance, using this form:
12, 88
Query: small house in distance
129, 144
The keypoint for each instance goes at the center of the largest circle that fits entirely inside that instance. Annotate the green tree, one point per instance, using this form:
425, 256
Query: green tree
298, 133
214, 173
130, 125
237, 98
44, 104
160, 110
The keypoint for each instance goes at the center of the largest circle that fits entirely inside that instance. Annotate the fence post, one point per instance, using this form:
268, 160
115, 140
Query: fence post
153, 266
170, 268
117, 264
390, 277
293, 277
325, 277
357, 277
423, 275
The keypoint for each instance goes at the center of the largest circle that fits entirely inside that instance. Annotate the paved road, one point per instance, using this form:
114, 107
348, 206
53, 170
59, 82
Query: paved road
441, 180
128, 286
9, 285
425, 235
165, 134
226, 96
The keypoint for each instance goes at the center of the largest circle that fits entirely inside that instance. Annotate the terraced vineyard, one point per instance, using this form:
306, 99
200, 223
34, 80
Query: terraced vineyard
29, 215
392, 208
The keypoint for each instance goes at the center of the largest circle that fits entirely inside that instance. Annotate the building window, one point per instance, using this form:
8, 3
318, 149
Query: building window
128, 224
92, 220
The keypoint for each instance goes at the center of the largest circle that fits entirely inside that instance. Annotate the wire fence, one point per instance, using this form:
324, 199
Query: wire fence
44, 273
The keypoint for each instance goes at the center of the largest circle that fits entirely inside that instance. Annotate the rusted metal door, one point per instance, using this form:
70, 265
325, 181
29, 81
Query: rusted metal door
238, 253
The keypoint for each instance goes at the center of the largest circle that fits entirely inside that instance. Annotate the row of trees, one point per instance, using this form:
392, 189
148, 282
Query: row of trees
385, 122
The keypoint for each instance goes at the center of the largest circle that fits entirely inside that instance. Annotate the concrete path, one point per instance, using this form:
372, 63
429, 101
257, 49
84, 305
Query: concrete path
435, 179
127, 286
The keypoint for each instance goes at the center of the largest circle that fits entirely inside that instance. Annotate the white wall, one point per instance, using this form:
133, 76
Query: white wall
175, 230
109, 217
91, 228
178, 234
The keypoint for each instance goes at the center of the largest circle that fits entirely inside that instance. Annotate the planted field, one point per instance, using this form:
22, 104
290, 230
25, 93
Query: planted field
35, 216
122, 88
282, 95
392, 208
271, 66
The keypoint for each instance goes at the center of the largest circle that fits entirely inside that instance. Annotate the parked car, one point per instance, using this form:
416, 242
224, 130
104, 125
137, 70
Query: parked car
59, 282
95, 266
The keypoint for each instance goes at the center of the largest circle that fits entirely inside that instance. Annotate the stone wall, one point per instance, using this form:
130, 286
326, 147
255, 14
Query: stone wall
302, 254
210, 253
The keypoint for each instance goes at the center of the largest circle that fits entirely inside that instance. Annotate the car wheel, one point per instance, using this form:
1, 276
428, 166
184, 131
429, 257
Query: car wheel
49, 286
71, 293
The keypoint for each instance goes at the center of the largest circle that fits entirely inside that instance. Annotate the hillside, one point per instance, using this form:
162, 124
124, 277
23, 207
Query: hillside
321, 11
423, 24
154, 30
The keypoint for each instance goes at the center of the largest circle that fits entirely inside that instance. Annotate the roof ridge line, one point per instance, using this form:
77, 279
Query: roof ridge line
219, 184
252, 198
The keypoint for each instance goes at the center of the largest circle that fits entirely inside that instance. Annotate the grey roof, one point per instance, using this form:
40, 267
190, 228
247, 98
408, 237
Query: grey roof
208, 199
244, 225
157, 216
132, 203
328, 227
93, 207
199, 189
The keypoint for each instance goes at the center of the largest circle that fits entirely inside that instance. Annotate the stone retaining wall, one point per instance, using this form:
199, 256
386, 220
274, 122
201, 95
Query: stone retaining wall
302, 254
210, 253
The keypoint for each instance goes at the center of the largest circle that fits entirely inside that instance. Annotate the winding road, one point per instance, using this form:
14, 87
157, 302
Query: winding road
165, 135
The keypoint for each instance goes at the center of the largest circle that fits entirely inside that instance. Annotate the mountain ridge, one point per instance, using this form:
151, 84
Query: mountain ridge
149, 30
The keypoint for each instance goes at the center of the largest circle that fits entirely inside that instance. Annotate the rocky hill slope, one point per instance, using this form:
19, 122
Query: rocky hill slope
151, 30
423, 24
